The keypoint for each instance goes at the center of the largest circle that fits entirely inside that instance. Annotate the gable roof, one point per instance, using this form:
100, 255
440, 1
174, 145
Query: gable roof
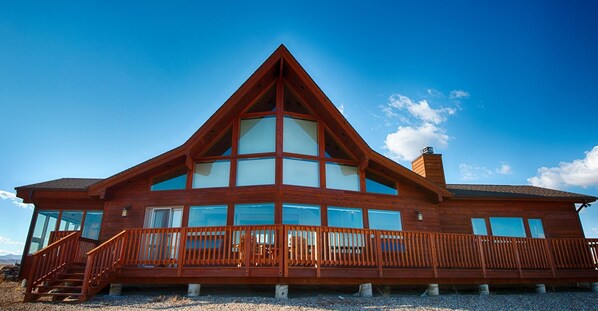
62, 184
281, 62
514, 191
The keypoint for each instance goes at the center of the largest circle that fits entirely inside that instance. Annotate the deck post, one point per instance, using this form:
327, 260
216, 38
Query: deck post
594, 287
432, 290
116, 289
281, 291
540, 289
365, 290
484, 289
193, 290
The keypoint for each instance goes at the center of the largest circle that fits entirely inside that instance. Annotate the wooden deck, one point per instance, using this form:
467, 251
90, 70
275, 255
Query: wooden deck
287, 254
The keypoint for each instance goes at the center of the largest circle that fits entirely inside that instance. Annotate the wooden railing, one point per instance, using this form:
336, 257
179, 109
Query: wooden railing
102, 264
52, 259
285, 247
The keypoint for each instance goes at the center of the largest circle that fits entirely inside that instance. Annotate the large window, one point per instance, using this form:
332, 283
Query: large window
384, 220
91, 227
345, 217
300, 136
254, 214
343, 177
479, 226
71, 220
211, 174
207, 216
301, 214
507, 226
536, 228
300, 172
257, 135
256, 172
44, 224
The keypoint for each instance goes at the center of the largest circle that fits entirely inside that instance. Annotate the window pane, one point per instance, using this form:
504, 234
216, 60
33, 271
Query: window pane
507, 226
342, 177
301, 214
300, 136
174, 180
345, 217
211, 174
378, 184
93, 222
536, 228
71, 221
223, 147
257, 135
384, 220
333, 149
45, 223
254, 214
479, 226
300, 173
256, 172
207, 216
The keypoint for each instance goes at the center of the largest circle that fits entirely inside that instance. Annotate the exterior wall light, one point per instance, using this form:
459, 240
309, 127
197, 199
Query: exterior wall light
420, 216
125, 211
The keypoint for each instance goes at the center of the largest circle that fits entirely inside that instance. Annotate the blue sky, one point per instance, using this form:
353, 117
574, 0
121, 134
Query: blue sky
505, 91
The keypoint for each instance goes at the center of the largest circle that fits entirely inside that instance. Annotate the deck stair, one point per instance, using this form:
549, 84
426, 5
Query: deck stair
66, 285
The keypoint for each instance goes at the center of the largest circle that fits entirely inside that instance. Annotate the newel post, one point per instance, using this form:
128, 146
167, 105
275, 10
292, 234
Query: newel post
379, 253
481, 253
282, 250
550, 258
517, 259
431, 237
87, 275
182, 250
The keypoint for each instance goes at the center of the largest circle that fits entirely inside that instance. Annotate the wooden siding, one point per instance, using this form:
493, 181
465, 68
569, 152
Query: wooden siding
560, 219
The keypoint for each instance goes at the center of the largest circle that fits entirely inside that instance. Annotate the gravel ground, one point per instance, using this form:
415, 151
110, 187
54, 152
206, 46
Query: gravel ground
218, 299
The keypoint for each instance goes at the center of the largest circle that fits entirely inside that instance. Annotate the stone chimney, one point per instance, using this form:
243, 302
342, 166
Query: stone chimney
429, 165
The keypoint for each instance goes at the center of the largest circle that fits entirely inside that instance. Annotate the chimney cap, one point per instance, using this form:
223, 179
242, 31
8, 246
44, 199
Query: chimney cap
427, 150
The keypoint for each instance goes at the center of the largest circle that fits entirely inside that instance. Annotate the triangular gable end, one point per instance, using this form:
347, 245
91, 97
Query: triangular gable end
278, 76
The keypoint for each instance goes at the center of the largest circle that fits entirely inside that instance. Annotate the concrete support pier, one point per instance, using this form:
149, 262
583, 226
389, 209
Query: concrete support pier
432, 290
116, 289
594, 287
484, 289
193, 290
281, 291
540, 289
365, 290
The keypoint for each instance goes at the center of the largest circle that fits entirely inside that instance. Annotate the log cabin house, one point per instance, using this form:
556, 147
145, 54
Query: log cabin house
278, 188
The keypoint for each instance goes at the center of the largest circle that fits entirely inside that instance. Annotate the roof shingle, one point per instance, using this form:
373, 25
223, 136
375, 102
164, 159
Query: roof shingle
63, 184
513, 191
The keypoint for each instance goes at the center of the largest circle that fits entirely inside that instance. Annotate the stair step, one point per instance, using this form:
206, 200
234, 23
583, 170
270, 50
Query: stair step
57, 294
65, 286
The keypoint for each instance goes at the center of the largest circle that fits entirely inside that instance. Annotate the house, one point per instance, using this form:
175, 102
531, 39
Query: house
278, 188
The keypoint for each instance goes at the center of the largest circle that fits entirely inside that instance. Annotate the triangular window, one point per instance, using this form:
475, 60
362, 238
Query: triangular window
172, 180
266, 103
334, 149
292, 102
223, 147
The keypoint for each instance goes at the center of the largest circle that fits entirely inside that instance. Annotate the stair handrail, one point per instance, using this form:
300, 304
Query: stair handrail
102, 263
51, 259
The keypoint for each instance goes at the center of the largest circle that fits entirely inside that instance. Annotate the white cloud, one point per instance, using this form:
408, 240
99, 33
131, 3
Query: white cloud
504, 169
406, 142
5, 195
471, 172
595, 230
7, 241
459, 94
341, 108
579, 172
420, 110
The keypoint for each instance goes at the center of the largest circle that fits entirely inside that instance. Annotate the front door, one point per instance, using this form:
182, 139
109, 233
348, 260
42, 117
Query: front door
161, 243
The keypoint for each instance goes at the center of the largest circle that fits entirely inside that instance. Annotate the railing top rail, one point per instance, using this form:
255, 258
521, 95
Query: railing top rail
99, 247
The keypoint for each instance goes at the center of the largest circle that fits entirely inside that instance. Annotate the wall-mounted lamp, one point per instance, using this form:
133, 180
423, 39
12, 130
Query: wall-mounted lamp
420, 216
125, 211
